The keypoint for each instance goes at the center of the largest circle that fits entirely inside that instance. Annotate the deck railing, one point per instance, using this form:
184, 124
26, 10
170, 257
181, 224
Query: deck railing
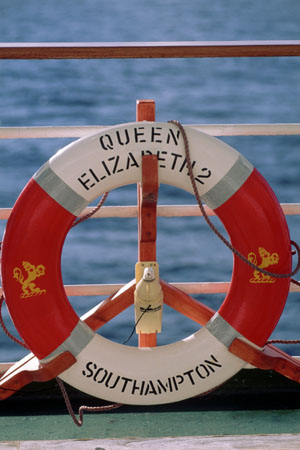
117, 50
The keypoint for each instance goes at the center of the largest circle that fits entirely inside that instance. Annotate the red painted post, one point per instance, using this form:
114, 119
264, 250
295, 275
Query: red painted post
147, 192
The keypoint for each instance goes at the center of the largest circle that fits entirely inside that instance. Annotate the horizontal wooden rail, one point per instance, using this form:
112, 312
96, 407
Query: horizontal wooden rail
191, 288
267, 129
110, 50
49, 132
130, 211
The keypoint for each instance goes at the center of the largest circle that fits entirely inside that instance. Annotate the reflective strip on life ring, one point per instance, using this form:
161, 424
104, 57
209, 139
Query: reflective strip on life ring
82, 171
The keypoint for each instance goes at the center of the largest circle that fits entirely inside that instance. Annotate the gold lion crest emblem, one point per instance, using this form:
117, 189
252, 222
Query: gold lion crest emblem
267, 259
29, 288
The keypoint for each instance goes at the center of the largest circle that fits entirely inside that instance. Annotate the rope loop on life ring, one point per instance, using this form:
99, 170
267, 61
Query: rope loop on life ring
81, 172
215, 230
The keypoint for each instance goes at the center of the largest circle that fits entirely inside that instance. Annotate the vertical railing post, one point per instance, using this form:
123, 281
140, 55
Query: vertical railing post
147, 192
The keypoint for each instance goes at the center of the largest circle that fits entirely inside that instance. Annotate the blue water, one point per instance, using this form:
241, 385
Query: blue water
192, 91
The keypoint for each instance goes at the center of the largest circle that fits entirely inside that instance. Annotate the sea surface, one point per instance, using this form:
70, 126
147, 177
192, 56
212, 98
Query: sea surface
104, 92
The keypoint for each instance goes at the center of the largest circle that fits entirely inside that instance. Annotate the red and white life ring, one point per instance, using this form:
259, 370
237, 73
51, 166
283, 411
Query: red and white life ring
79, 173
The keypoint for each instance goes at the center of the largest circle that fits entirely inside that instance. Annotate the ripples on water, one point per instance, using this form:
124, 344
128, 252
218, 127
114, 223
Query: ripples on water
192, 91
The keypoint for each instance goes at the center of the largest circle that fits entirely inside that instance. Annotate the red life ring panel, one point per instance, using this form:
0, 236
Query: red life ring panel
79, 173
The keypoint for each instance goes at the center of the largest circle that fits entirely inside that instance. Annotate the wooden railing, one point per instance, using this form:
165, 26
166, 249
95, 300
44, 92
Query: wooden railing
119, 50
162, 210
116, 50
259, 129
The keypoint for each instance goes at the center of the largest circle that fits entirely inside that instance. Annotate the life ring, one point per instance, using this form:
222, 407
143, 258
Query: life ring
78, 174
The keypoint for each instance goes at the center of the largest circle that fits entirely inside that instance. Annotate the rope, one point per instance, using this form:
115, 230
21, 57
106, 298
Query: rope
214, 229
90, 214
283, 341
82, 409
5, 329
60, 383
2, 299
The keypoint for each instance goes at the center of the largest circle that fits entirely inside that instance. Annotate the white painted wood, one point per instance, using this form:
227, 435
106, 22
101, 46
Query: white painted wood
191, 288
245, 442
162, 211
268, 129
109, 289
4, 367
47, 132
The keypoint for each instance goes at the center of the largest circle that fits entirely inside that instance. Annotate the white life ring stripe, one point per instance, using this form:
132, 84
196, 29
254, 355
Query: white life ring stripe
98, 373
90, 173
132, 375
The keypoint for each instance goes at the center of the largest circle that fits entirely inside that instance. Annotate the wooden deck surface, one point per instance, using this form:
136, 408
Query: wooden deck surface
247, 442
